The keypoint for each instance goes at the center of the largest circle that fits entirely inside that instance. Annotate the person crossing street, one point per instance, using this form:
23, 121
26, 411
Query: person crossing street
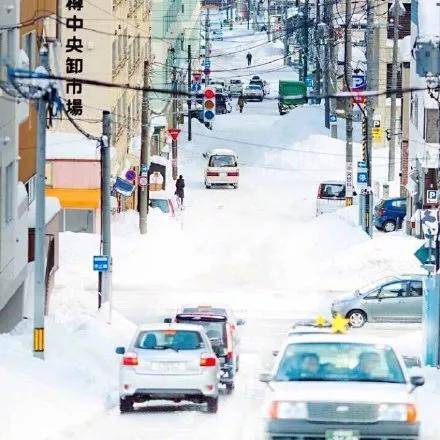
241, 102
249, 58
180, 191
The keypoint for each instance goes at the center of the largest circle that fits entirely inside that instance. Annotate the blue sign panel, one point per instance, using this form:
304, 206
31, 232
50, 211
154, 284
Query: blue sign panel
101, 263
362, 177
309, 81
333, 119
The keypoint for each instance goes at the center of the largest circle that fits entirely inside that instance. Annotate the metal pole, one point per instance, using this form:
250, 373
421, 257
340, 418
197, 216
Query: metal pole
326, 66
40, 225
174, 142
306, 39
207, 43
189, 91
268, 20
286, 37
396, 12
348, 108
145, 152
369, 118
106, 209
333, 59
317, 82
249, 13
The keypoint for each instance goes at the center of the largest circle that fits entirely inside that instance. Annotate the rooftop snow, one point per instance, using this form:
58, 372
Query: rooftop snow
52, 208
60, 145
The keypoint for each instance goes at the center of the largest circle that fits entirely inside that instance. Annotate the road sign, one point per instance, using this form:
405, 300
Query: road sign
349, 179
207, 62
197, 76
207, 71
431, 196
144, 170
377, 134
143, 181
362, 164
130, 175
333, 119
309, 81
362, 177
362, 174
376, 123
359, 82
101, 263
358, 98
174, 133
425, 255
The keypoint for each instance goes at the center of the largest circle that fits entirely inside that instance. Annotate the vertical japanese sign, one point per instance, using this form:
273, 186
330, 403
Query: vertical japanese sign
74, 59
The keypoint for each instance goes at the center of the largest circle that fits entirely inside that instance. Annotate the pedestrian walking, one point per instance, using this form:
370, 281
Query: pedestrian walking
241, 101
180, 191
249, 58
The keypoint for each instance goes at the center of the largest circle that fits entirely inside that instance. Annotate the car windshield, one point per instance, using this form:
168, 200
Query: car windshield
162, 204
222, 161
235, 81
207, 309
254, 88
213, 329
336, 361
169, 339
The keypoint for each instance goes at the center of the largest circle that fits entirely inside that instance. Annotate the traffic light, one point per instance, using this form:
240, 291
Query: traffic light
208, 104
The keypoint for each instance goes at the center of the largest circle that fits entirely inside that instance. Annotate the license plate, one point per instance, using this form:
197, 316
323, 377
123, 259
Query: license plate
169, 367
223, 174
342, 434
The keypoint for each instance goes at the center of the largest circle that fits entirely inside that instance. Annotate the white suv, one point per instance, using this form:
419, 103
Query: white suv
169, 362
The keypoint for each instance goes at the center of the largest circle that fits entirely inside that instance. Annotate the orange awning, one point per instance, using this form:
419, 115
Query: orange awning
76, 198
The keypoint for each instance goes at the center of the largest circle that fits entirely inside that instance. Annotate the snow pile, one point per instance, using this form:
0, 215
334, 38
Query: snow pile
428, 398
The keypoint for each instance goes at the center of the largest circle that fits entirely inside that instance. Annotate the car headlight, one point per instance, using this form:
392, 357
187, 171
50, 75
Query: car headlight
399, 412
288, 410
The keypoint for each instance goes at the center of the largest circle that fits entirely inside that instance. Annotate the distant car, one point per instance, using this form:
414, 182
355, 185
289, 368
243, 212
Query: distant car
168, 362
220, 324
255, 77
258, 82
332, 387
222, 168
235, 87
217, 34
163, 201
331, 196
389, 214
253, 93
393, 299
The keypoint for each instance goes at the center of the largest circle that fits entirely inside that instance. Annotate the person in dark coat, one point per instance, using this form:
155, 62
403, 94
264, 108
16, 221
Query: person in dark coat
180, 191
249, 58
240, 102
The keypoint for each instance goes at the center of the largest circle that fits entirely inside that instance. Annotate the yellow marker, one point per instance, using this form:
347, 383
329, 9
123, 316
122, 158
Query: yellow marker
39, 339
339, 324
320, 321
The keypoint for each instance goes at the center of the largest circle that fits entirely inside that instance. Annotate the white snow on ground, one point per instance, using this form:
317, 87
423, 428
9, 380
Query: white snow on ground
259, 249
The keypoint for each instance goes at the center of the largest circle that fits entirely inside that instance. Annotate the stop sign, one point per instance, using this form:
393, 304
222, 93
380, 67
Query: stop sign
174, 133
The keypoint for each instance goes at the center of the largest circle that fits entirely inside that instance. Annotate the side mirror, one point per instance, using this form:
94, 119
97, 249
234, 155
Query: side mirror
275, 353
120, 350
241, 322
167, 320
266, 377
417, 381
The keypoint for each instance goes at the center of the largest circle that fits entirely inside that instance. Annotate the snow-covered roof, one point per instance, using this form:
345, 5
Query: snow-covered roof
223, 151
61, 145
53, 206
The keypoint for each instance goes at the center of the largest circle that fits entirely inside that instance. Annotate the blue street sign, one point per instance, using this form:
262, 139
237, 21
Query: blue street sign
196, 87
101, 263
362, 164
362, 177
207, 71
309, 81
144, 168
207, 62
333, 119
359, 82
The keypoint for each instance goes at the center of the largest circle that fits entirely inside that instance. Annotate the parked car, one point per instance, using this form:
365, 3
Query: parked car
253, 93
331, 196
222, 168
163, 201
389, 214
261, 83
220, 324
393, 299
336, 387
223, 103
235, 87
168, 362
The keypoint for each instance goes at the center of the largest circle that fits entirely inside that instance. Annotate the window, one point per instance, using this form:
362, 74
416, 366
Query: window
114, 54
174, 339
9, 192
30, 184
222, 161
404, 22
431, 125
393, 290
415, 288
10, 41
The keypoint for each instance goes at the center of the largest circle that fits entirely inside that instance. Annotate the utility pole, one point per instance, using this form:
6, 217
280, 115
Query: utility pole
317, 79
396, 10
306, 39
248, 14
106, 210
268, 20
368, 213
143, 192
348, 107
333, 60
207, 43
327, 64
189, 91
40, 224
174, 142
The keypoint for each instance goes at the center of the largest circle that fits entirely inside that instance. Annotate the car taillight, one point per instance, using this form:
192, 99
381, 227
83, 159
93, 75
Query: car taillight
212, 173
229, 344
130, 359
208, 361
233, 174
381, 211
320, 188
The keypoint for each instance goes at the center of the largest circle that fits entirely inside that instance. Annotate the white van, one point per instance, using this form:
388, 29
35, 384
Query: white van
222, 168
331, 196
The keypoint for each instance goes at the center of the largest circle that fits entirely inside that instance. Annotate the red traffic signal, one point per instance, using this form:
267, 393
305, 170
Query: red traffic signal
209, 93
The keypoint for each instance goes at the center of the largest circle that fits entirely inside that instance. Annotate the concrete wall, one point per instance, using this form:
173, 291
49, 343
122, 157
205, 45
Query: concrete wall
65, 174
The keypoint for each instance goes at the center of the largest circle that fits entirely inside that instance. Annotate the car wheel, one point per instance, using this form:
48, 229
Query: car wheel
212, 404
125, 405
389, 226
230, 388
356, 318
235, 185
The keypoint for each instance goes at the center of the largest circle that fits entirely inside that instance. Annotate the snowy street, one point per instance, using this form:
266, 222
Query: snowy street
258, 249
